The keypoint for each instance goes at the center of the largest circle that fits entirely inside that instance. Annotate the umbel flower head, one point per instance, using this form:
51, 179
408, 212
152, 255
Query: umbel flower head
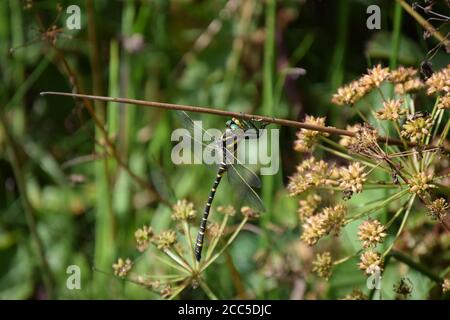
420, 183
392, 110
444, 102
183, 210
366, 142
402, 74
405, 80
446, 285
371, 232
348, 94
227, 210
143, 237
166, 291
375, 76
122, 267
438, 209
346, 141
355, 90
308, 206
306, 138
310, 173
249, 213
370, 262
439, 82
417, 128
334, 218
323, 264
313, 229
356, 294
331, 219
351, 179
166, 239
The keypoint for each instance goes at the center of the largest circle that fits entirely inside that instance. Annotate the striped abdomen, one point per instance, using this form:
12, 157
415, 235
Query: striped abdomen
201, 232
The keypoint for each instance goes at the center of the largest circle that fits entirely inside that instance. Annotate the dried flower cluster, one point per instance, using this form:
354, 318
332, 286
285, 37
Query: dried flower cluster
417, 128
173, 249
183, 210
392, 110
410, 171
370, 262
371, 233
307, 138
329, 220
122, 267
353, 92
323, 265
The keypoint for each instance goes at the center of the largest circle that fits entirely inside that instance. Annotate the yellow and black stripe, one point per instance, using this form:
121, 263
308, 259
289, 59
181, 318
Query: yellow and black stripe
201, 233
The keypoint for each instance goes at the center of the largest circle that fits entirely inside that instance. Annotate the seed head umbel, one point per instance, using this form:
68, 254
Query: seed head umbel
323, 265
446, 285
308, 206
313, 229
444, 102
227, 210
356, 294
166, 239
348, 94
183, 210
439, 82
143, 237
346, 141
392, 110
438, 209
374, 77
420, 183
370, 262
333, 218
402, 74
122, 267
249, 213
417, 128
352, 177
311, 173
307, 138
371, 232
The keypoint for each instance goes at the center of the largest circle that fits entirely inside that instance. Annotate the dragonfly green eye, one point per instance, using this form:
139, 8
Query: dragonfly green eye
232, 125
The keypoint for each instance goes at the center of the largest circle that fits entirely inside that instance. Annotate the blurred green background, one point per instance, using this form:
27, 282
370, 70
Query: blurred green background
234, 55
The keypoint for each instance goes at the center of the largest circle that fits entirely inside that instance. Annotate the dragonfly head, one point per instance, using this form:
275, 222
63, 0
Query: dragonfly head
235, 124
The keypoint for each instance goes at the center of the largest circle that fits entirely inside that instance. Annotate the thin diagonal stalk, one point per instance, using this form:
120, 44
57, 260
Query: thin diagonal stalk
216, 240
423, 22
179, 289
207, 290
396, 196
187, 233
230, 240
211, 110
402, 225
175, 257
399, 256
170, 263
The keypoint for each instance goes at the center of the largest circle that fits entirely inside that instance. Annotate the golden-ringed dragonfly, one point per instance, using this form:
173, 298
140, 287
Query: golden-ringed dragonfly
241, 176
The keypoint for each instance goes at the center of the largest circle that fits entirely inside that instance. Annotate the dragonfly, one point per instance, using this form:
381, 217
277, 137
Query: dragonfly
241, 176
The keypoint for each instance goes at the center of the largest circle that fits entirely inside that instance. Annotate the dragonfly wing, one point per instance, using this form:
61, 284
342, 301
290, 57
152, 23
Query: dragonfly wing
244, 172
241, 180
211, 146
